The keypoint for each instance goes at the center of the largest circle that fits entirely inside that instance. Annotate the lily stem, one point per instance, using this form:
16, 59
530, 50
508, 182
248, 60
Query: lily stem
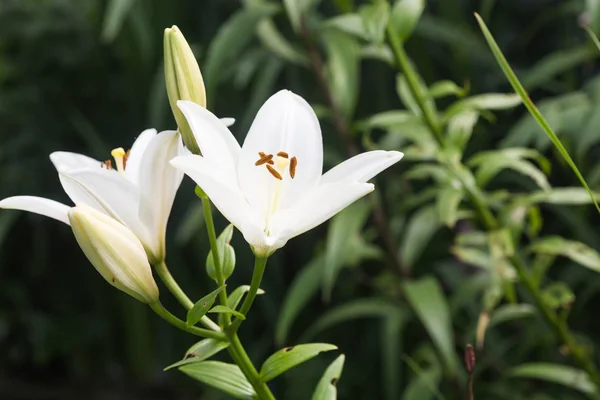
173, 320
163, 271
212, 238
259, 269
412, 78
243, 361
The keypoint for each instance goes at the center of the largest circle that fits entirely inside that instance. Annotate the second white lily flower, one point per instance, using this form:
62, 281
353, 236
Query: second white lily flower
272, 188
138, 190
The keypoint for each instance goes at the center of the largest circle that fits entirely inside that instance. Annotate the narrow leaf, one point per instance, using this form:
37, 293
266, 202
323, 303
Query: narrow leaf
220, 309
202, 306
289, 357
429, 303
405, 15
326, 388
225, 377
514, 81
576, 251
233, 300
556, 373
200, 351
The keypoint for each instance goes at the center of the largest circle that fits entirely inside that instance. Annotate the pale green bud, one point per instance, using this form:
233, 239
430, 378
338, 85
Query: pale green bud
184, 81
115, 252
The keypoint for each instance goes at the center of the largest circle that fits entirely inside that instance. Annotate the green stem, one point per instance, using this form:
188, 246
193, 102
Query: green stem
259, 268
212, 238
239, 355
171, 284
413, 83
173, 320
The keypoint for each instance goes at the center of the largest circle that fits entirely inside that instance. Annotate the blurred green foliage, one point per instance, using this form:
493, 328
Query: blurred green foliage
401, 281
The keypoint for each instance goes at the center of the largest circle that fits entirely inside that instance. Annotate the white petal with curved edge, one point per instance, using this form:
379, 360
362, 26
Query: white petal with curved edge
38, 205
216, 142
136, 153
158, 184
316, 207
362, 167
109, 192
227, 121
286, 122
65, 161
219, 187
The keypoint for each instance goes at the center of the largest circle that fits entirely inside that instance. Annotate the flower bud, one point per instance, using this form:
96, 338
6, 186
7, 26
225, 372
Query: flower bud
114, 251
184, 81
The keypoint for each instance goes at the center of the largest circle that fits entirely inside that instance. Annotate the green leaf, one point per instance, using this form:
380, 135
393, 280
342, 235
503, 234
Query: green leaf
557, 62
273, 40
405, 15
289, 357
387, 119
375, 18
356, 309
488, 101
220, 309
326, 388
231, 39
448, 200
406, 95
297, 9
514, 81
558, 295
226, 255
391, 332
425, 384
225, 377
342, 67
429, 303
420, 230
202, 306
233, 300
446, 88
343, 229
200, 351
116, 13
556, 373
510, 312
563, 195
576, 251
305, 286
350, 23
460, 127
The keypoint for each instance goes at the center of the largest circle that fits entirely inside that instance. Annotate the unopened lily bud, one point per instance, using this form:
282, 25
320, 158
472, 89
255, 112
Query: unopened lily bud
114, 251
184, 81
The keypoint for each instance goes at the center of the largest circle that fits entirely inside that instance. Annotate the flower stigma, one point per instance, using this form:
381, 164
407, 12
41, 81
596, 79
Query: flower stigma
120, 156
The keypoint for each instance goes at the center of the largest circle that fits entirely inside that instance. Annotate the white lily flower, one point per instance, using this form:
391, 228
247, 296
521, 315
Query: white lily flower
138, 192
272, 189
114, 251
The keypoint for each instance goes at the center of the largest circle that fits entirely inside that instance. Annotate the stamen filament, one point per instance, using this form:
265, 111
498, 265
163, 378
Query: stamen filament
119, 154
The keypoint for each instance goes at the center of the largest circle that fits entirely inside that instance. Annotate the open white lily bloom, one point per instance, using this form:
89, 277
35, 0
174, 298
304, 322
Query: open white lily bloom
138, 191
114, 251
272, 188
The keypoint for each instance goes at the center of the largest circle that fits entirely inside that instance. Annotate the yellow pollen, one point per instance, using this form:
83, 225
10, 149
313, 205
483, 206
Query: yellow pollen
119, 155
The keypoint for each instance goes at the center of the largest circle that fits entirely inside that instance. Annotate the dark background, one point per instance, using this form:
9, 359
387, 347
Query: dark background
71, 78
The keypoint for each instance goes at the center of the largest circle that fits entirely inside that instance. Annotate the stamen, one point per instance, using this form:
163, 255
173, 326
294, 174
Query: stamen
118, 154
293, 165
106, 164
274, 172
262, 154
265, 159
283, 154
125, 158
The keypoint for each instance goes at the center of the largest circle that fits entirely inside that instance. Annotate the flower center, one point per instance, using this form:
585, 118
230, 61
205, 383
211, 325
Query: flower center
278, 166
120, 156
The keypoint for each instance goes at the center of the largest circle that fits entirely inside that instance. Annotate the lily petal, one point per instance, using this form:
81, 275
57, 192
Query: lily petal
228, 121
109, 192
216, 142
65, 161
362, 167
38, 205
158, 184
134, 160
287, 123
219, 187
316, 207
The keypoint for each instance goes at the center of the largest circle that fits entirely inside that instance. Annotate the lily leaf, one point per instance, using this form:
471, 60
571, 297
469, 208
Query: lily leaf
326, 388
233, 300
220, 309
225, 377
202, 306
579, 252
561, 374
289, 357
200, 351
